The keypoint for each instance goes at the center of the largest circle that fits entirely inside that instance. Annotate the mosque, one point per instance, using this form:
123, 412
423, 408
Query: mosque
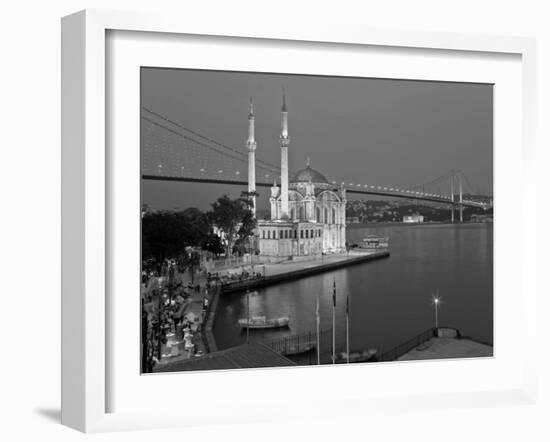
308, 214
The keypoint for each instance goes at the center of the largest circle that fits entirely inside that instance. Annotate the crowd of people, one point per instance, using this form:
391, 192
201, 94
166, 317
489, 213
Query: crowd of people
166, 298
235, 276
167, 294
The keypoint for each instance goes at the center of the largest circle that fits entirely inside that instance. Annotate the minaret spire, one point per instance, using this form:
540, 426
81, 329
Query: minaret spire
251, 133
251, 146
284, 140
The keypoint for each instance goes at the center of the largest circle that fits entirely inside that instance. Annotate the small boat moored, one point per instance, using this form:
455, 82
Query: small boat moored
262, 322
369, 355
298, 348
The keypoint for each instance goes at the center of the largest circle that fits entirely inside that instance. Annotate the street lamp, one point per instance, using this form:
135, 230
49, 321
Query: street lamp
436, 301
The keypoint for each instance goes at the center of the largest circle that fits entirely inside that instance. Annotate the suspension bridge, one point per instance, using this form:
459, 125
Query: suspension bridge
173, 152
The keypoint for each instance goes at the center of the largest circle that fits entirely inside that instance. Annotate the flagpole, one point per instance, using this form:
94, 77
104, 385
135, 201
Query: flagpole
347, 328
318, 320
247, 316
334, 323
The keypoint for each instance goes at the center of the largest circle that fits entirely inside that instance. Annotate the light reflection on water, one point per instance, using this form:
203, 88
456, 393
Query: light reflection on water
389, 298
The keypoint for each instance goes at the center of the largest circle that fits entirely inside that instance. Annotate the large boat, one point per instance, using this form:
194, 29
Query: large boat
263, 322
374, 242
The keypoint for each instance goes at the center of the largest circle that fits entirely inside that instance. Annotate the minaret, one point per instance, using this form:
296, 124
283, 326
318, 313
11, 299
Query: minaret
251, 145
284, 139
273, 200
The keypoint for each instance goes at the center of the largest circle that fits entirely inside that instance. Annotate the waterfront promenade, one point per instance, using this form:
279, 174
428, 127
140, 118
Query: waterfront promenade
274, 273
178, 346
271, 269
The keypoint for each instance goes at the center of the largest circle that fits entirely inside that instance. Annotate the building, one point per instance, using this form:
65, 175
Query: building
481, 218
413, 218
308, 214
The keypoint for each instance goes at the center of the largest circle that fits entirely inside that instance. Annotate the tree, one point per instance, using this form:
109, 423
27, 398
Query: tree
234, 218
247, 198
197, 226
213, 244
246, 230
166, 234
163, 236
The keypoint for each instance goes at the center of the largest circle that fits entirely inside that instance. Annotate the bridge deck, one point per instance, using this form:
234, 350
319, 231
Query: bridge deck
365, 191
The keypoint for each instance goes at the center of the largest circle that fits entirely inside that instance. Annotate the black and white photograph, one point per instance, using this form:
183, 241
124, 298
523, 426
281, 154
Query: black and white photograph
300, 220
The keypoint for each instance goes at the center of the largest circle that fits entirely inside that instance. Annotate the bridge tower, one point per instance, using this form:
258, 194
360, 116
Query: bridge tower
452, 196
251, 146
460, 207
284, 140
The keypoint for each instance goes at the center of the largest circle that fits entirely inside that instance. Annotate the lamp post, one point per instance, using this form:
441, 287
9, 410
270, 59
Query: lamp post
436, 301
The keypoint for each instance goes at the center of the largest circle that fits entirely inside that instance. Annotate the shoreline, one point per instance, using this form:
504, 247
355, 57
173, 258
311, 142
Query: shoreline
210, 323
401, 223
265, 281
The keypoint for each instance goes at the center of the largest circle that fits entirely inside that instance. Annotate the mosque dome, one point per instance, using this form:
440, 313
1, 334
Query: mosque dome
309, 175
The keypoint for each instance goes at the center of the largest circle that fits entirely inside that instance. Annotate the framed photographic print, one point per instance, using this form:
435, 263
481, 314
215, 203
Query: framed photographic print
258, 213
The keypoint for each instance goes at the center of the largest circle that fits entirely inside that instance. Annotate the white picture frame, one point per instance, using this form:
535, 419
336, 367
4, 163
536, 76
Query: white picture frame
86, 212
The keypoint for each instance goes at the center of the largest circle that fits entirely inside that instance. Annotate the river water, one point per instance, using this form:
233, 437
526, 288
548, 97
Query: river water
389, 298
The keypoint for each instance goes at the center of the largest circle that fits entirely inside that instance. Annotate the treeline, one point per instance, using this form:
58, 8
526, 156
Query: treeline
167, 234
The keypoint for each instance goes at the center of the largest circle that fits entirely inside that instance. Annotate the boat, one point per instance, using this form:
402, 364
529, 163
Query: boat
374, 242
262, 322
299, 348
369, 355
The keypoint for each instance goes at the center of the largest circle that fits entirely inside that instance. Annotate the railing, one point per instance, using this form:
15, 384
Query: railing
400, 350
209, 321
301, 343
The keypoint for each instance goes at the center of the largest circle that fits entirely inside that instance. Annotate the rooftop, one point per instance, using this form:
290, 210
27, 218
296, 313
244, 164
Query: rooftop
447, 348
309, 175
243, 356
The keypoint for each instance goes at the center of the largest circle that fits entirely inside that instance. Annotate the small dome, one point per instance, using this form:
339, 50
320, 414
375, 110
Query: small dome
308, 174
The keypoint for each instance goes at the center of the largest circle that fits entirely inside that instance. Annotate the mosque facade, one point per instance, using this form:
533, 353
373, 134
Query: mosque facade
308, 213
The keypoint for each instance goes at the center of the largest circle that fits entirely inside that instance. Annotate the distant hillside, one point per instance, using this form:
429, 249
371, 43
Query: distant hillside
367, 211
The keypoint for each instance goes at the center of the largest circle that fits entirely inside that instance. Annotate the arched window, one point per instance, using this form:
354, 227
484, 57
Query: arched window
295, 234
292, 213
326, 220
333, 216
318, 214
301, 213
263, 234
312, 233
301, 233
268, 234
274, 235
